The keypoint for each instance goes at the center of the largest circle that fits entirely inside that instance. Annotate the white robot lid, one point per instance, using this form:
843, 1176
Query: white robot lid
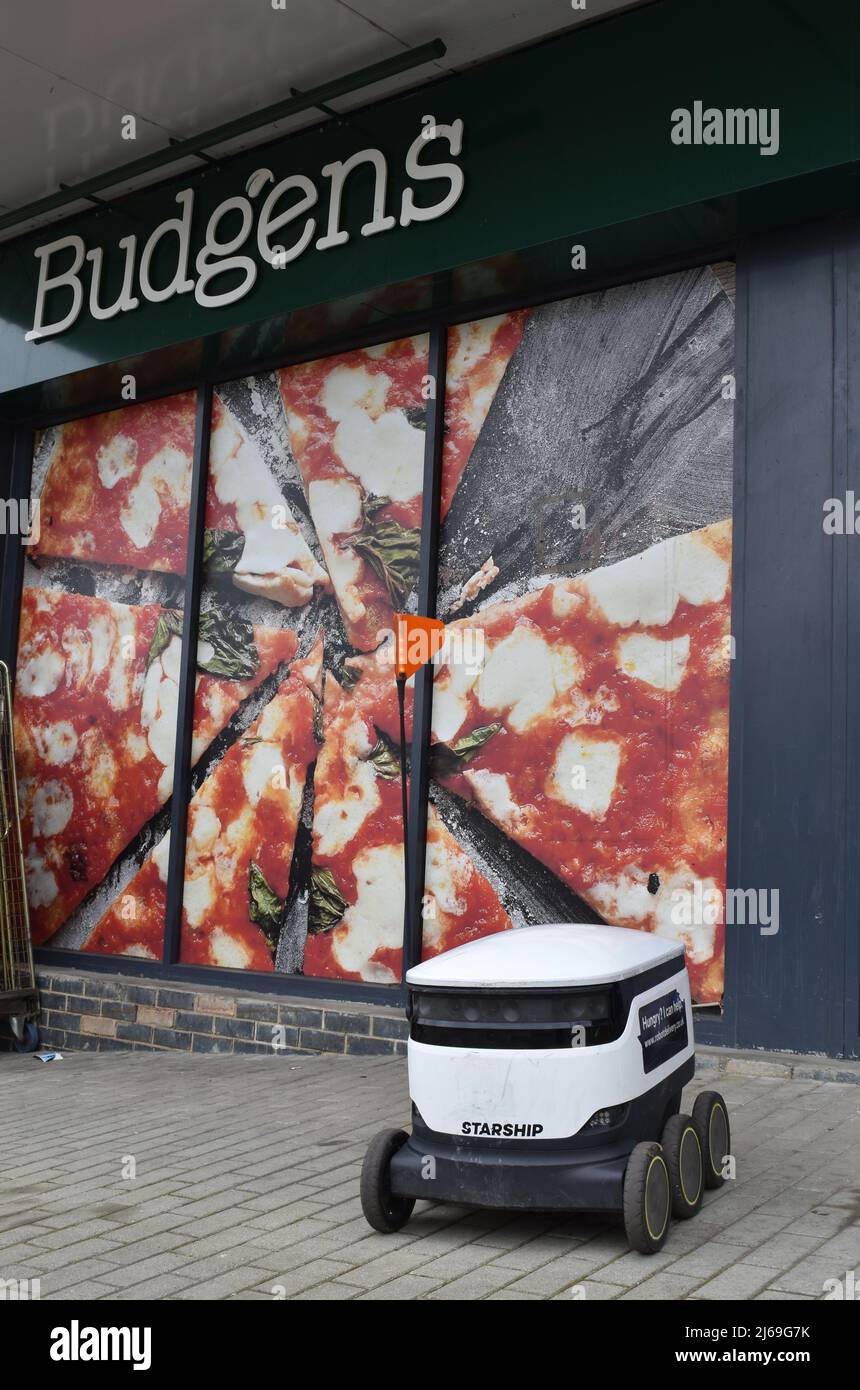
552, 956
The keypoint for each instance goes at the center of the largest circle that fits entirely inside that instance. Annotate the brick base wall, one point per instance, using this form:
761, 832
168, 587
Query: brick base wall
84, 1011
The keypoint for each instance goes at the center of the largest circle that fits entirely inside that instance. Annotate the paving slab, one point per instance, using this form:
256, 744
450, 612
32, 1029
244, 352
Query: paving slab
246, 1177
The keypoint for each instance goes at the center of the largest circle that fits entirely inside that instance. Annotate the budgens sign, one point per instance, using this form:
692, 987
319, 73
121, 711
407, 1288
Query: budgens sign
279, 219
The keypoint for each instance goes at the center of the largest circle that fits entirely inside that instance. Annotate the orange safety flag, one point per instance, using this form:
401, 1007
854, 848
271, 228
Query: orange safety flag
416, 641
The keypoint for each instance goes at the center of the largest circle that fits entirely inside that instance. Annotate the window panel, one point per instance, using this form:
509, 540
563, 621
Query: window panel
580, 712
97, 674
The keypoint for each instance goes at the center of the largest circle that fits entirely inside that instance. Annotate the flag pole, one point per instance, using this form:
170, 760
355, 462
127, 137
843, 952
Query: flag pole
416, 642
401, 705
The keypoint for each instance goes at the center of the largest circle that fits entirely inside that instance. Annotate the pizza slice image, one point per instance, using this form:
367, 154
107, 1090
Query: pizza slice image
356, 425
242, 825
356, 910
594, 734
250, 530
357, 429
478, 356
118, 487
118, 491
96, 699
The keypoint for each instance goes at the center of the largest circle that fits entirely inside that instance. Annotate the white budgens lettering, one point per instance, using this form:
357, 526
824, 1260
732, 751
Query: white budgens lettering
409, 211
47, 283
339, 172
277, 205
217, 257
269, 224
126, 299
180, 284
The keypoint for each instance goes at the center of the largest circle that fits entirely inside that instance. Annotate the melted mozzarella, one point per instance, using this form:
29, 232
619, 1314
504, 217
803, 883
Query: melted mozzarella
276, 561
41, 674
335, 506
77, 645
584, 773
469, 343
135, 745
386, 455
377, 446
225, 950
166, 475
171, 657
42, 886
375, 921
494, 794
204, 829
450, 704
141, 514
55, 743
158, 710
123, 663
681, 908
447, 874
625, 898
261, 767
199, 895
647, 588
116, 460
52, 808
661, 664
103, 634
347, 389
161, 855
337, 820
523, 675
101, 773
565, 600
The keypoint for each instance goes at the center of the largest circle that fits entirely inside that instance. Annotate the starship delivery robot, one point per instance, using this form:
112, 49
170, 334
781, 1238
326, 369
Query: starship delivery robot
546, 1066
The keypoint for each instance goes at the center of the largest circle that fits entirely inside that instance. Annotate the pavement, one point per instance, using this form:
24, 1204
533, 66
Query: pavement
158, 1176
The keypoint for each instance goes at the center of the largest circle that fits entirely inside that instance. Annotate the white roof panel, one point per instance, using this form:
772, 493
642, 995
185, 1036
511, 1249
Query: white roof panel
560, 954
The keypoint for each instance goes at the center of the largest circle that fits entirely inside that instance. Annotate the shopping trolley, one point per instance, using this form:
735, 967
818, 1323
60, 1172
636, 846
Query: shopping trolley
19, 999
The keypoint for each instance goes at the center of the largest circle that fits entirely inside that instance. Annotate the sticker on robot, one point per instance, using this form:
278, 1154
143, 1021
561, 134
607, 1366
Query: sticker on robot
662, 1029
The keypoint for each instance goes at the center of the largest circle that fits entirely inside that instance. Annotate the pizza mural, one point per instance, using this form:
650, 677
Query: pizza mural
580, 709
580, 705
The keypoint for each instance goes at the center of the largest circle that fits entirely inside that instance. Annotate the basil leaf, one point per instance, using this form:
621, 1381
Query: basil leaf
384, 759
390, 549
231, 638
348, 677
169, 625
222, 550
373, 504
232, 641
447, 760
264, 906
327, 904
319, 736
417, 416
